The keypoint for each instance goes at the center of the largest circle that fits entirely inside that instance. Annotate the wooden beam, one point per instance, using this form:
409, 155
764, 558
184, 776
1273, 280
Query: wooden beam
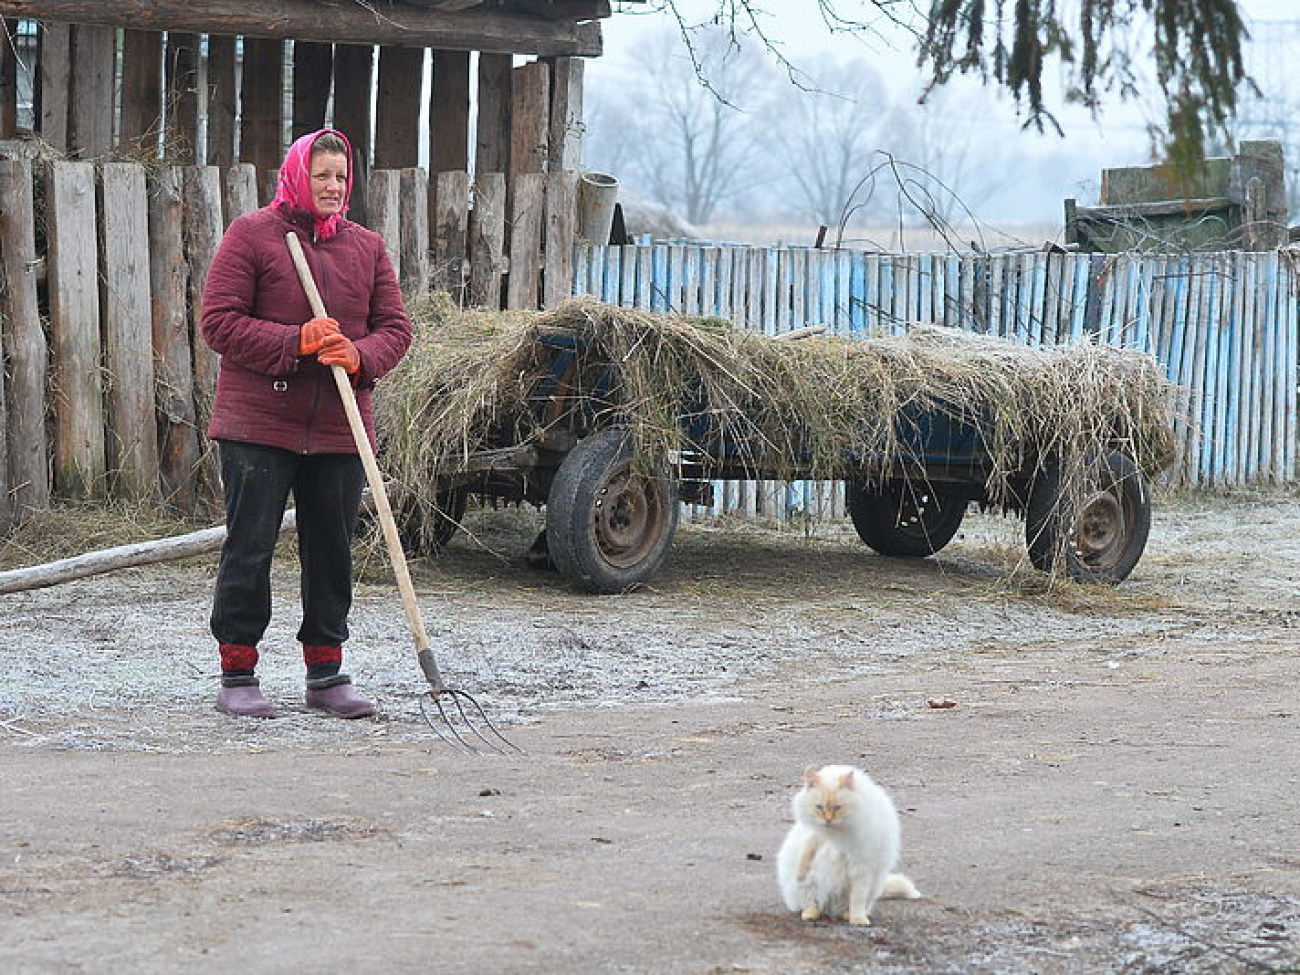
344, 21
530, 121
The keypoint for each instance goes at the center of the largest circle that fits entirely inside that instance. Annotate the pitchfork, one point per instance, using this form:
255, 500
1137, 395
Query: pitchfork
436, 716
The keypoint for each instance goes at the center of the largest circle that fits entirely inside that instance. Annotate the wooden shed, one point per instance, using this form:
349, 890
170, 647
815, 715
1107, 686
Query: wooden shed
133, 131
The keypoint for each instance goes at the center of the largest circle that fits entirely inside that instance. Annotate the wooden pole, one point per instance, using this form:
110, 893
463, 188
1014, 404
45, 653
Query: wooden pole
121, 557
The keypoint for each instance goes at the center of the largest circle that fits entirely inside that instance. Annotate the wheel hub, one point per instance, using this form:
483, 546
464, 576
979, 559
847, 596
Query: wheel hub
628, 522
1099, 533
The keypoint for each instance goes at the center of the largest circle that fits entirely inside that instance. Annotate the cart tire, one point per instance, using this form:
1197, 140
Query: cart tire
905, 519
1102, 538
607, 528
424, 535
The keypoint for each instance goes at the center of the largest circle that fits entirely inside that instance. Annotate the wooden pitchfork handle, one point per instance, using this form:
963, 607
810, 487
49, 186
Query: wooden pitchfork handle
376, 481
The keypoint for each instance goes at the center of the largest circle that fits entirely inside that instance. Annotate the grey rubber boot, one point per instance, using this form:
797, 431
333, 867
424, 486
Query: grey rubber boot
244, 700
337, 696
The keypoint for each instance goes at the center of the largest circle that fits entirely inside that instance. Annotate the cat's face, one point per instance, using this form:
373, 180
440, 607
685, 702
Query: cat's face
826, 800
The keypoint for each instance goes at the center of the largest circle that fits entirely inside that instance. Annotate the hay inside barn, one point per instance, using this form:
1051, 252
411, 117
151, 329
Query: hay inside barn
818, 407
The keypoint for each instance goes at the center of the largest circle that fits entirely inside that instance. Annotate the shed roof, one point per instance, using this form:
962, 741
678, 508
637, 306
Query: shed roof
544, 27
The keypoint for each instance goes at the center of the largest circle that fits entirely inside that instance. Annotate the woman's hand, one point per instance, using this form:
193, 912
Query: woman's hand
338, 350
312, 336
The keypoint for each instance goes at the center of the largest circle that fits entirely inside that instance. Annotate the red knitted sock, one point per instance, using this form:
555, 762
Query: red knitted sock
322, 661
238, 658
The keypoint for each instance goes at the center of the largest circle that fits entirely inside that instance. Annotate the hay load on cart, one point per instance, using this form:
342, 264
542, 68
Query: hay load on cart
609, 417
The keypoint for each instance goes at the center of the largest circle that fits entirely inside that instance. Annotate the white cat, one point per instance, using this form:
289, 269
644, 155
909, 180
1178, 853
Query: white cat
839, 855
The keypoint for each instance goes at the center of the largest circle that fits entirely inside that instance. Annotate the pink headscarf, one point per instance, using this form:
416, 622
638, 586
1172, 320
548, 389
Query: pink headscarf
294, 190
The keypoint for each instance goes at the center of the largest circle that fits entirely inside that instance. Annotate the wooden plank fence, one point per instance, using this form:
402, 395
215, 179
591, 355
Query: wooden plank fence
1223, 325
121, 246
124, 254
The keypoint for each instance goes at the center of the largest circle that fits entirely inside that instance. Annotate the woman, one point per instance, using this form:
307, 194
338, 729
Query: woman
279, 422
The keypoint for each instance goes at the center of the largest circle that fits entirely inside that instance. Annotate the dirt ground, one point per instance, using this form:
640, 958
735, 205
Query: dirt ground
1111, 790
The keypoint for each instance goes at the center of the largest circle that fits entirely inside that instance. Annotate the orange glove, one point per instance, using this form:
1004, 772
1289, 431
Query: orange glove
312, 335
338, 350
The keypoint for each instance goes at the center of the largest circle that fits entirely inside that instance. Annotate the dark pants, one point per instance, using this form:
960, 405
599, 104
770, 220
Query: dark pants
327, 493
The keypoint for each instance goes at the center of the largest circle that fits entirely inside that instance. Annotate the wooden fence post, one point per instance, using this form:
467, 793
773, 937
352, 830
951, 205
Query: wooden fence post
450, 231
79, 458
90, 111
178, 434
24, 341
239, 191
128, 333
487, 240
203, 229
525, 240
52, 89
413, 232
383, 203
561, 214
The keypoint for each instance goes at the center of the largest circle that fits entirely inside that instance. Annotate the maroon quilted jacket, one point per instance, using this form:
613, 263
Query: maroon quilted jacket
253, 306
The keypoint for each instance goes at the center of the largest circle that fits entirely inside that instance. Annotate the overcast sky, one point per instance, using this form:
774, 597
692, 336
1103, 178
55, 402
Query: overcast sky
1050, 167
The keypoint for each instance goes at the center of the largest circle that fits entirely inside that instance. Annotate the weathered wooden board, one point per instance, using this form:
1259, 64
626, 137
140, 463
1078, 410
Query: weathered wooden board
449, 225
223, 100
25, 347
526, 212
492, 139
414, 232
487, 238
262, 108
449, 112
128, 336
397, 120
93, 52
79, 454
178, 433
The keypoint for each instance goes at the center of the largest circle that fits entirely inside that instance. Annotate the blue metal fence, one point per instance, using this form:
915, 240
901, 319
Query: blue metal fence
1223, 325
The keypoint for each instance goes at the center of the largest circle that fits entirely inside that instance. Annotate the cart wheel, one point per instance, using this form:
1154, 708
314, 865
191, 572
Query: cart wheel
425, 534
607, 527
905, 519
1103, 536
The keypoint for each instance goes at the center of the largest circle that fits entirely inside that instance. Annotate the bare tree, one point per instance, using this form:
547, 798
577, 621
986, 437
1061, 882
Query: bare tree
824, 133
694, 146
1098, 45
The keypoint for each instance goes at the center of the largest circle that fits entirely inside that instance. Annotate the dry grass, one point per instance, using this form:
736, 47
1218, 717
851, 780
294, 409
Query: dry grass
822, 407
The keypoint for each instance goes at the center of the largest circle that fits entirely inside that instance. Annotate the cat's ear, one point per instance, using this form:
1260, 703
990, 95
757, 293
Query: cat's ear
811, 780
846, 780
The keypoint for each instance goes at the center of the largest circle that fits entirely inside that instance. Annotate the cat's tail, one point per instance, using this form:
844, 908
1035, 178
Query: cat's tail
900, 887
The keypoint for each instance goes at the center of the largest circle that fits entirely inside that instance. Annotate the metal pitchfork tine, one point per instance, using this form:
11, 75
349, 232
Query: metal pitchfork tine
438, 691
